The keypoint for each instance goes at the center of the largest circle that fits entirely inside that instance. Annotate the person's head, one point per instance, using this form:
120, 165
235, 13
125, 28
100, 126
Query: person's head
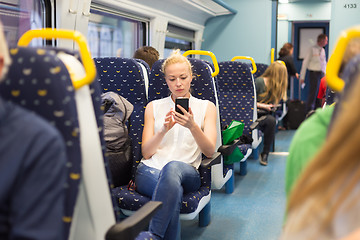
5, 59
287, 49
333, 174
276, 85
178, 74
148, 54
322, 40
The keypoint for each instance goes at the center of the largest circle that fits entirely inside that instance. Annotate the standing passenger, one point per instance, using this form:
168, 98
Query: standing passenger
172, 145
315, 62
286, 55
270, 89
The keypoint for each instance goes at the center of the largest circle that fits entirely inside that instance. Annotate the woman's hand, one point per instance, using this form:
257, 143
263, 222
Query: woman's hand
186, 119
169, 121
265, 106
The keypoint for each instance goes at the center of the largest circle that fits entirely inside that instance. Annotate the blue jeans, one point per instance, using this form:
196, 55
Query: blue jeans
167, 186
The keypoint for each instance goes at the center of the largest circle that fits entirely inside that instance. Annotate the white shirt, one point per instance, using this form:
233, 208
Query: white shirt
178, 143
315, 60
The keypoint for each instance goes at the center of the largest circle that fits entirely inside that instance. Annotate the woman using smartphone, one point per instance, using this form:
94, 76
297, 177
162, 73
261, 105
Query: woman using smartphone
172, 144
270, 89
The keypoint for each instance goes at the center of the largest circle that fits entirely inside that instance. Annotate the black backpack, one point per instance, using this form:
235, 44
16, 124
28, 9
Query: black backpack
117, 111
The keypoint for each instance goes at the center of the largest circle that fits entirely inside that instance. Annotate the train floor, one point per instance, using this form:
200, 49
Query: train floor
255, 209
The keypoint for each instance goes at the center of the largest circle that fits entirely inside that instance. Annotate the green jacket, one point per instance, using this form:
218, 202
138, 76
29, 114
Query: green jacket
307, 141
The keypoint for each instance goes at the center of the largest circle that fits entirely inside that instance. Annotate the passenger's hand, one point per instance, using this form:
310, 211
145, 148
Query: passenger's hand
302, 81
169, 121
297, 75
268, 107
186, 119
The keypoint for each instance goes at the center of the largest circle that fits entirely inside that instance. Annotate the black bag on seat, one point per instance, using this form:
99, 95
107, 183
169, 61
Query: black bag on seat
117, 111
296, 114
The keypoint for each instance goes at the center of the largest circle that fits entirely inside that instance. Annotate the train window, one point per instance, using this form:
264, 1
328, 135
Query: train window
19, 16
178, 38
112, 35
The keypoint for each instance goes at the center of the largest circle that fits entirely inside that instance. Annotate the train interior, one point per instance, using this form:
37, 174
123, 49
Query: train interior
88, 47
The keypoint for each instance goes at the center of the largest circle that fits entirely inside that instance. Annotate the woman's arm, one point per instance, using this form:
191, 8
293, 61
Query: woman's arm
150, 140
206, 139
265, 106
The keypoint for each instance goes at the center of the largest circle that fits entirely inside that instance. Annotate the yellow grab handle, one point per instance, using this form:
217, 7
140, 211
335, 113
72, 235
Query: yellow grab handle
85, 55
207, 53
282, 62
272, 55
247, 58
334, 63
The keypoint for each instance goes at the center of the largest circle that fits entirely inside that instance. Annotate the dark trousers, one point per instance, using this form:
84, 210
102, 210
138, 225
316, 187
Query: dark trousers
267, 126
314, 79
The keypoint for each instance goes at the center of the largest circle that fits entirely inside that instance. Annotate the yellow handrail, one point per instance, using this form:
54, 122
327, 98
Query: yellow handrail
207, 53
247, 58
282, 62
272, 55
49, 33
334, 63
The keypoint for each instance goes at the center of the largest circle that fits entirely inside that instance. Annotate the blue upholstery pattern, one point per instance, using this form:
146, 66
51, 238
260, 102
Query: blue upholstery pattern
236, 94
261, 67
124, 76
201, 85
39, 81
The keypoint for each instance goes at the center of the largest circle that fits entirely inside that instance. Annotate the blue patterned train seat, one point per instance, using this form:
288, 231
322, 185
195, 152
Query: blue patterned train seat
261, 67
125, 77
237, 98
39, 81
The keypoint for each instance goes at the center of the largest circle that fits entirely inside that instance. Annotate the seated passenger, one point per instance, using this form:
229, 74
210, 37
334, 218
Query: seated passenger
324, 203
172, 145
32, 171
270, 89
148, 54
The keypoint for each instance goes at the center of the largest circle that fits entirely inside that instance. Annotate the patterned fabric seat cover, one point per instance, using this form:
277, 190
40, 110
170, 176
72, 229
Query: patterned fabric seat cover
39, 81
236, 96
261, 67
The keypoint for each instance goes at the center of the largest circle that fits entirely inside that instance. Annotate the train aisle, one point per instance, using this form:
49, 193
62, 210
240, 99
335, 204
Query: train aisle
255, 210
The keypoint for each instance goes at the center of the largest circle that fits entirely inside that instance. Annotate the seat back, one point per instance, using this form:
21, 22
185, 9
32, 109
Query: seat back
39, 81
261, 67
125, 77
237, 95
49, 92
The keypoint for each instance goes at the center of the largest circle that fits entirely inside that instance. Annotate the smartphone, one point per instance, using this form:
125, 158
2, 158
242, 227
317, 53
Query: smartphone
184, 102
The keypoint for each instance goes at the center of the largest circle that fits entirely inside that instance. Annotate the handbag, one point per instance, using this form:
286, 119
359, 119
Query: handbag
234, 131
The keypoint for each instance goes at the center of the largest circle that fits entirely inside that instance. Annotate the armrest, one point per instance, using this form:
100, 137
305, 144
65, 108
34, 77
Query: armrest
216, 159
226, 150
256, 123
130, 227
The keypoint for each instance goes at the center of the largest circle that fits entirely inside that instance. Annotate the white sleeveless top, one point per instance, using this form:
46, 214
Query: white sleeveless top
178, 143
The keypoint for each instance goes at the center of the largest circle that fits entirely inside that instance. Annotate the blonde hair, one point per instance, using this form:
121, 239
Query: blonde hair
335, 171
175, 57
327, 178
4, 52
276, 85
